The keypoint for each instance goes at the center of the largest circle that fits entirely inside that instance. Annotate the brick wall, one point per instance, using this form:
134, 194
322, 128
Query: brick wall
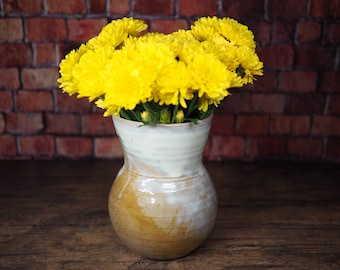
292, 113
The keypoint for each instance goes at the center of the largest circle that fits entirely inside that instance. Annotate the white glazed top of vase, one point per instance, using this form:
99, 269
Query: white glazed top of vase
172, 150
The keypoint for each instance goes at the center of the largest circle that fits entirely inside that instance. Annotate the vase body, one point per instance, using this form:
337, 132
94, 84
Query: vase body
162, 204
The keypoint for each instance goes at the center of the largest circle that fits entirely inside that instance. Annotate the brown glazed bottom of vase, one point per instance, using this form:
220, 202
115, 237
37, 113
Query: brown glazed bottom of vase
161, 230
159, 249
145, 238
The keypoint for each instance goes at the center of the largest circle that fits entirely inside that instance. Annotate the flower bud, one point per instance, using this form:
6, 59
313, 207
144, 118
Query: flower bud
179, 118
145, 117
164, 116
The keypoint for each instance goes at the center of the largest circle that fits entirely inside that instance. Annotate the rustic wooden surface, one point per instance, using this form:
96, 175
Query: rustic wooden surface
53, 215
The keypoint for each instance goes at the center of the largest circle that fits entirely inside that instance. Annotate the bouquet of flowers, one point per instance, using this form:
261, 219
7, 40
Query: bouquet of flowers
162, 78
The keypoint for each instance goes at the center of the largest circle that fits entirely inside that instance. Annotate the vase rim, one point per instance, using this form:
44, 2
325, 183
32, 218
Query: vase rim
178, 125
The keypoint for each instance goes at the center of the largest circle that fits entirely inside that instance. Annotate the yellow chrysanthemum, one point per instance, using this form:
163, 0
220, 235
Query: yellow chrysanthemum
179, 40
174, 86
127, 85
236, 33
66, 72
224, 50
67, 66
119, 69
250, 63
189, 50
114, 33
207, 21
209, 77
181, 35
152, 54
203, 32
90, 73
233, 81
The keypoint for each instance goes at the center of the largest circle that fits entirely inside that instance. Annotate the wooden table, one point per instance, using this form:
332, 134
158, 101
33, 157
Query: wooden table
53, 215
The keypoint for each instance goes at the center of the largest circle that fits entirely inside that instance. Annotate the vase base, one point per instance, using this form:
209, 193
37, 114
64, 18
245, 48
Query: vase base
162, 251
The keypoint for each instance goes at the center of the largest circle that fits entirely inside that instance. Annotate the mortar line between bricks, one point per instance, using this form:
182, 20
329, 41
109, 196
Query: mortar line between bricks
308, 8
266, 15
131, 12
176, 9
107, 8
337, 59
219, 8
44, 7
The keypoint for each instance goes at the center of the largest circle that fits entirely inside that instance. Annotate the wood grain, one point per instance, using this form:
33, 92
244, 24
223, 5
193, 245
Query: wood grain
53, 215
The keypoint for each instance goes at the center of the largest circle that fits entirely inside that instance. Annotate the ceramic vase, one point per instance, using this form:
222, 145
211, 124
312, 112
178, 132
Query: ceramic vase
162, 204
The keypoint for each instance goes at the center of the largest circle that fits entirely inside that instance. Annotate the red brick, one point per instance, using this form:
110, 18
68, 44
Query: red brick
280, 125
290, 125
300, 125
243, 9
39, 78
334, 104
66, 103
252, 125
37, 145
222, 124
98, 110
266, 147
24, 123
315, 57
333, 33
227, 147
121, 7
330, 81
2, 123
97, 124
34, 101
9, 78
6, 101
84, 29
306, 103
97, 6
265, 83
63, 123
289, 9
261, 31
325, 9
108, 148
298, 81
308, 32
63, 48
72, 7
326, 125
238, 102
282, 32
154, 7
74, 147
198, 8
23, 6
46, 29
267, 103
7, 146
276, 56
167, 26
333, 148
305, 147
44, 53
15, 54
207, 149
11, 29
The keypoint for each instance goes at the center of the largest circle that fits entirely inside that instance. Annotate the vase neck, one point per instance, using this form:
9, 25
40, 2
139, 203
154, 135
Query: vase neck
154, 150
171, 163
